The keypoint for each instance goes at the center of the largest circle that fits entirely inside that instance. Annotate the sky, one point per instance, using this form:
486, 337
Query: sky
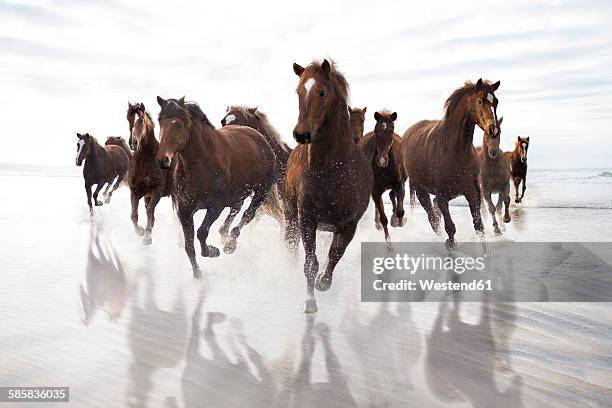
72, 66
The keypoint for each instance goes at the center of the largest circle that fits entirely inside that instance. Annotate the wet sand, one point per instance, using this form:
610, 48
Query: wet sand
85, 305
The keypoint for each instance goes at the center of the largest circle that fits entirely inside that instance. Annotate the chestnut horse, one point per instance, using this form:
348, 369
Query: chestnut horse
494, 174
119, 141
357, 119
328, 179
146, 178
216, 168
518, 165
441, 159
383, 148
103, 164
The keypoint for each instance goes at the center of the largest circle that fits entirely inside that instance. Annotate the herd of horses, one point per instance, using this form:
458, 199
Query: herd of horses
325, 183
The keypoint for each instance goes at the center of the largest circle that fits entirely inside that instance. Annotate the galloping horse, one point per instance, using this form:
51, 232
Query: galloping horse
102, 165
357, 119
518, 165
119, 141
494, 174
328, 179
145, 177
216, 168
440, 157
383, 148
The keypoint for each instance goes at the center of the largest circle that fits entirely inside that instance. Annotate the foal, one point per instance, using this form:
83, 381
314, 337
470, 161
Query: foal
494, 174
145, 177
328, 179
357, 119
383, 148
102, 165
518, 164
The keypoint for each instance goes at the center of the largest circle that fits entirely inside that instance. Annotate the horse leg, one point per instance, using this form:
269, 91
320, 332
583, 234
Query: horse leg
342, 237
377, 223
224, 230
487, 196
399, 213
105, 193
473, 198
95, 194
212, 213
500, 202
150, 207
449, 225
272, 206
185, 216
256, 202
524, 186
393, 198
115, 187
380, 209
517, 183
308, 230
88, 193
505, 195
134, 215
425, 200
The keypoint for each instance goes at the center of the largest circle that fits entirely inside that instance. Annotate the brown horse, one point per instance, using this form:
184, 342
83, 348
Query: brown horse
383, 148
357, 120
119, 141
441, 159
328, 179
256, 119
103, 164
216, 168
518, 165
494, 174
146, 178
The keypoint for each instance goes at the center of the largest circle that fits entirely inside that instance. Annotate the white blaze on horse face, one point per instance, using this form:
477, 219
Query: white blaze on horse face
80, 145
384, 126
229, 119
308, 85
490, 98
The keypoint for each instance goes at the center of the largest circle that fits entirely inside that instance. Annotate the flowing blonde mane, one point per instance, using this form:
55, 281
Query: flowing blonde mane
263, 118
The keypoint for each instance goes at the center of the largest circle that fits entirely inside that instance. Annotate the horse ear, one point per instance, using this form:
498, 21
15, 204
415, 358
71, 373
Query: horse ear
393, 116
298, 69
364, 110
142, 106
326, 67
479, 83
252, 110
376, 116
496, 85
181, 101
527, 139
500, 120
79, 135
162, 102
519, 139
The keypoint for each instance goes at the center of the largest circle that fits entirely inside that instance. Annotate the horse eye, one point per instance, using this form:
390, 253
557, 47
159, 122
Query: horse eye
479, 102
322, 93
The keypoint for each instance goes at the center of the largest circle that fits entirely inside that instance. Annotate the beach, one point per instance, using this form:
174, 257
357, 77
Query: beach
86, 305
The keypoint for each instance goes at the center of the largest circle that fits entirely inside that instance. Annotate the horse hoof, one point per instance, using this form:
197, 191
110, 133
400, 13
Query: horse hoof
507, 219
211, 251
497, 231
323, 282
98, 203
230, 246
394, 221
378, 225
107, 200
451, 245
147, 240
139, 231
518, 200
310, 305
197, 273
402, 221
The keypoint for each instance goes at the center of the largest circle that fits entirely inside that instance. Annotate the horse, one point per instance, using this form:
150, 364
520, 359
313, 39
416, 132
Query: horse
328, 180
440, 157
494, 174
216, 168
518, 165
103, 164
258, 120
119, 141
383, 148
357, 119
146, 179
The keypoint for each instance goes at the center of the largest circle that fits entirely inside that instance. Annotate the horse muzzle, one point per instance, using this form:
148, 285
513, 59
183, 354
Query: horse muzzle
302, 138
493, 153
164, 162
78, 162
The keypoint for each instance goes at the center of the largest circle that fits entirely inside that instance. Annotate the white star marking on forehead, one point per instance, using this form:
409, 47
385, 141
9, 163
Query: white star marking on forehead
308, 85
490, 98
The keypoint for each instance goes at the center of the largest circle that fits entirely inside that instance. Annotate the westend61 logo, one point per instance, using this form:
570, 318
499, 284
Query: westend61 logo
510, 271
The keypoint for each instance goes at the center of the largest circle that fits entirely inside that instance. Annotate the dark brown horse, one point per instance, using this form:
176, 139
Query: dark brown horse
119, 141
146, 178
494, 174
383, 148
441, 159
518, 165
103, 164
328, 179
216, 168
357, 120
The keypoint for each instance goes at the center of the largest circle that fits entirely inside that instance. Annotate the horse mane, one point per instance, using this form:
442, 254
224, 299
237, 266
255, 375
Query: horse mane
263, 118
189, 110
336, 78
150, 119
385, 112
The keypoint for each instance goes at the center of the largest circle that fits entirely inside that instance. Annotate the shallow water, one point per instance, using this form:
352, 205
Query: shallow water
85, 305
